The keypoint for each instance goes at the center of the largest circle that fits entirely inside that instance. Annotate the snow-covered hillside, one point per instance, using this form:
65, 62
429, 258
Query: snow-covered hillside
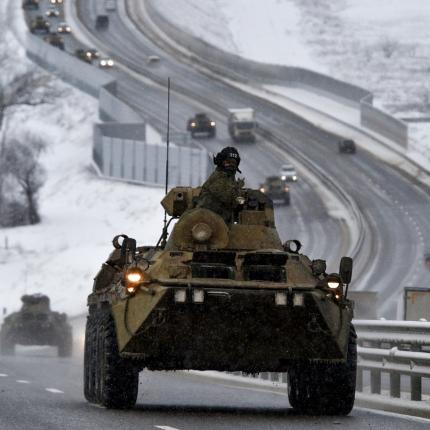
80, 211
380, 45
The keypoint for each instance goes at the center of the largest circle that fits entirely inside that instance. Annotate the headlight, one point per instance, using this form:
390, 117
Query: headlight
286, 189
213, 123
193, 124
201, 232
103, 63
134, 276
262, 189
283, 177
294, 178
110, 63
333, 281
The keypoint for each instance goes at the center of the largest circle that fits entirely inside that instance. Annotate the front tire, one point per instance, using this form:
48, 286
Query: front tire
324, 388
117, 379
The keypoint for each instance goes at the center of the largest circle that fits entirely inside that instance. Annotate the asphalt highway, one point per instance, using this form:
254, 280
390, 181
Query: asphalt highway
394, 208
40, 391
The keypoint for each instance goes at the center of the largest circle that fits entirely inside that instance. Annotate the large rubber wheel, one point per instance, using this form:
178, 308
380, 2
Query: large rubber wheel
7, 346
322, 388
65, 347
117, 379
90, 359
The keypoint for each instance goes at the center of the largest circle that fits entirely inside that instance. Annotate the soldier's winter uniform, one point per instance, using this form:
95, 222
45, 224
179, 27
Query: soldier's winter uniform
220, 191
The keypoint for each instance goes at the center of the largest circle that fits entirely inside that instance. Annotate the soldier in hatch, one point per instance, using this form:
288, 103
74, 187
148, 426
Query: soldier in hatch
220, 191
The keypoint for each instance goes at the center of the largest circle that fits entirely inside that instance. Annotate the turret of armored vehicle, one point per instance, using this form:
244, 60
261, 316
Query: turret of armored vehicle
221, 297
36, 324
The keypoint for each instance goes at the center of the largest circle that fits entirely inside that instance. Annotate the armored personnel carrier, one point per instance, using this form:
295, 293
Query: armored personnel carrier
276, 189
221, 297
40, 25
36, 324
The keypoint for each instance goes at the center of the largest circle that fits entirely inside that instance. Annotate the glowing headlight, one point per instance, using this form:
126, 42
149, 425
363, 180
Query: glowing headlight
213, 123
103, 63
262, 189
283, 177
193, 124
201, 232
333, 281
294, 178
110, 63
134, 276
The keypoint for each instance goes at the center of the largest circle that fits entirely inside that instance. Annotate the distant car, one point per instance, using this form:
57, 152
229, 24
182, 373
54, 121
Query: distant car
152, 59
201, 123
288, 173
276, 189
102, 22
56, 1
30, 4
83, 55
63, 27
93, 53
55, 39
346, 146
106, 63
40, 25
52, 12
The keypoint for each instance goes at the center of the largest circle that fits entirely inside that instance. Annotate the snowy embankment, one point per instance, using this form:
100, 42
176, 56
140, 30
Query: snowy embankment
80, 211
381, 46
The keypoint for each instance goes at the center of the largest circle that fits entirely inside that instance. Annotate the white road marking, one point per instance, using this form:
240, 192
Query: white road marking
166, 428
22, 381
54, 390
3, 375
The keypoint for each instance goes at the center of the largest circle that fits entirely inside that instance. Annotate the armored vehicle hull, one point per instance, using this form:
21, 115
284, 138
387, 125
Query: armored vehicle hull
36, 324
225, 298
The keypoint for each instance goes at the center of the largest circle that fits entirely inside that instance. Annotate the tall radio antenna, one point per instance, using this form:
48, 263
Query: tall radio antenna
164, 234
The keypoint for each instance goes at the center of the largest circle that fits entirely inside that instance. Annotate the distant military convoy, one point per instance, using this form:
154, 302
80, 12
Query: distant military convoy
36, 324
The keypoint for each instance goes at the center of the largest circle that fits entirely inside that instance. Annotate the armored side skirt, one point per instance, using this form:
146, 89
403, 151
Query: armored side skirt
233, 329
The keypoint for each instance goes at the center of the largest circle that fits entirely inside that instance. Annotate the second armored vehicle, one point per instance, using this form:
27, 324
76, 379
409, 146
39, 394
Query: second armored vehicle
40, 25
225, 297
201, 123
36, 324
55, 39
276, 189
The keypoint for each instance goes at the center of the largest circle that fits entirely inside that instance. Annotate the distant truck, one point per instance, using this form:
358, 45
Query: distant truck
242, 125
201, 123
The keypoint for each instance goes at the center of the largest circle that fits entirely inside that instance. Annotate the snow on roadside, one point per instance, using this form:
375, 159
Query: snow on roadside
80, 211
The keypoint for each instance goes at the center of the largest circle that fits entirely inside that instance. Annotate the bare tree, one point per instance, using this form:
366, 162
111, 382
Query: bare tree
20, 165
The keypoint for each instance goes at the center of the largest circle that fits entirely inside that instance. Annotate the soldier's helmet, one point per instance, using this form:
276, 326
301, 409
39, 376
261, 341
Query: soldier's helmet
227, 153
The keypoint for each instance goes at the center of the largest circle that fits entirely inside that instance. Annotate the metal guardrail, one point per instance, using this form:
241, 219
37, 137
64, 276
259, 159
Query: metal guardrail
396, 348
226, 63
